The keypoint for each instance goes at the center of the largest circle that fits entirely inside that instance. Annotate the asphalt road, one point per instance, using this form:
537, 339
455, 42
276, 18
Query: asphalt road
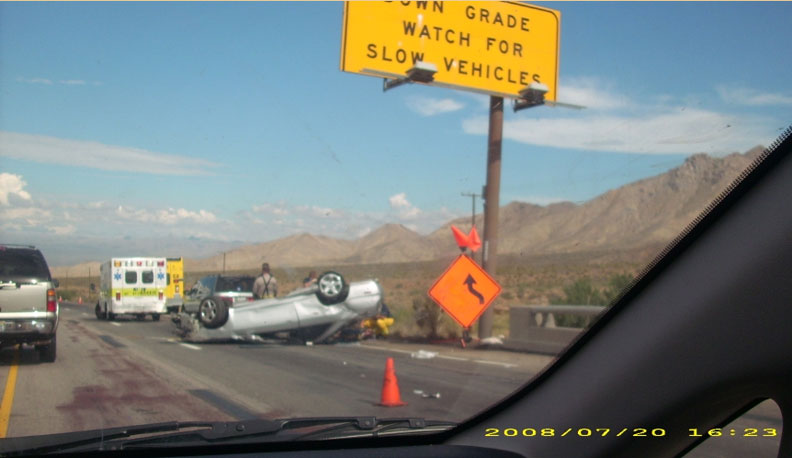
128, 372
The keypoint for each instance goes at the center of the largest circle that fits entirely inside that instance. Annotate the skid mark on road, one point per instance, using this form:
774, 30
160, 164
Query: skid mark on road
231, 408
111, 341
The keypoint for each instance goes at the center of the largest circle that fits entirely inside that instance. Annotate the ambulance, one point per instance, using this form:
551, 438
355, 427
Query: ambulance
132, 286
174, 291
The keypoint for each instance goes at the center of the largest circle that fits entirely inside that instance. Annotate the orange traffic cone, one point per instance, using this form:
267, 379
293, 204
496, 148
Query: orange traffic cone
390, 387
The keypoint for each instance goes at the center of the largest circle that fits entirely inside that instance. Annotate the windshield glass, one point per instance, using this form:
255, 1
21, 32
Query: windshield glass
321, 157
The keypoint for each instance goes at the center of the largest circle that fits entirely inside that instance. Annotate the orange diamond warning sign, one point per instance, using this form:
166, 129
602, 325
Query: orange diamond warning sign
464, 290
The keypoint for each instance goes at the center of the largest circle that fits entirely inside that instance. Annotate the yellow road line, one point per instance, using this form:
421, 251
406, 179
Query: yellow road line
8, 395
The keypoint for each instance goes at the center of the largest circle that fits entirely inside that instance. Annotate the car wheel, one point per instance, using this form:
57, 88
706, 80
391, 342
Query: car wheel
99, 313
47, 353
332, 288
155, 316
213, 312
111, 316
140, 317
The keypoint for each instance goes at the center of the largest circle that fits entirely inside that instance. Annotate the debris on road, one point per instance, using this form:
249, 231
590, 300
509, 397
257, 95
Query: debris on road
423, 354
491, 341
426, 395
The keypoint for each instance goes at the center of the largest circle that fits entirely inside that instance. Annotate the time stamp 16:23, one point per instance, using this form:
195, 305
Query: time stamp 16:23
627, 432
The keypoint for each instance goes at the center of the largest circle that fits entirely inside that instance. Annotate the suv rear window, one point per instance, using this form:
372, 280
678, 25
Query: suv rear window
244, 284
28, 263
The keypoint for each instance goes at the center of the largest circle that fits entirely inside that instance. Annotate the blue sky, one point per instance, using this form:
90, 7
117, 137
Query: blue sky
187, 128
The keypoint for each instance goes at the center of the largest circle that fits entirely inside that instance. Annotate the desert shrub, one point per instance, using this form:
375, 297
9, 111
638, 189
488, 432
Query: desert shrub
616, 285
583, 292
427, 316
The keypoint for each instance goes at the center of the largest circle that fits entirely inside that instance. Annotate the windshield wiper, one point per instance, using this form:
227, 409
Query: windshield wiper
181, 434
352, 427
114, 438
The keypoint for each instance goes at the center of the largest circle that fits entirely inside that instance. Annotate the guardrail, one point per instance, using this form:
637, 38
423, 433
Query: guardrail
533, 328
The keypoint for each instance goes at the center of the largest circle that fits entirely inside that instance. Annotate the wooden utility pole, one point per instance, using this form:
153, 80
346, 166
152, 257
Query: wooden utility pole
492, 203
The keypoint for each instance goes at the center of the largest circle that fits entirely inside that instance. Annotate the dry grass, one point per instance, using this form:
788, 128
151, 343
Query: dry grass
526, 280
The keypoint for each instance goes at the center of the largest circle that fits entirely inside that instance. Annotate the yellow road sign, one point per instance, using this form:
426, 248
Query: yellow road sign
497, 48
464, 290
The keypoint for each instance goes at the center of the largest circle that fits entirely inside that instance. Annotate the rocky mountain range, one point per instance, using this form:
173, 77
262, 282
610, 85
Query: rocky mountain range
648, 212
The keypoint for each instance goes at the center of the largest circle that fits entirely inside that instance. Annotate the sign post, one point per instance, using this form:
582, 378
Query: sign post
502, 49
492, 202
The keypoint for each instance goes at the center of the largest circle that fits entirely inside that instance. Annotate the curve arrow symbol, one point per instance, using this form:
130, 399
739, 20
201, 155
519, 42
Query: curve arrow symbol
470, 281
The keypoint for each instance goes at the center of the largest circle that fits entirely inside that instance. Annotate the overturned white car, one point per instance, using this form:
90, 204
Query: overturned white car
315, 313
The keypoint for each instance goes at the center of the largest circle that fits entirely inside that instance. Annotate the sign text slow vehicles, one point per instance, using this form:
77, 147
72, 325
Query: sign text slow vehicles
497, 48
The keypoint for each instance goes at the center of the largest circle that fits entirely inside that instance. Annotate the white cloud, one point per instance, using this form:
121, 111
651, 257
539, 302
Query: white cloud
24, 217
63, 230
399, 200
272, 209
49, 82
175, 216
592, 93
752, 97
670, 131
35, 80
427, 106
12, 185
52, 150
168, 216
405, 210
659, 124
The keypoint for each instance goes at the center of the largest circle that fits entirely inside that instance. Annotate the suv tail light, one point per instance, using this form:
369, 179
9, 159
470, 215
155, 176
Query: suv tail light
118, 295
52, 304
160, 295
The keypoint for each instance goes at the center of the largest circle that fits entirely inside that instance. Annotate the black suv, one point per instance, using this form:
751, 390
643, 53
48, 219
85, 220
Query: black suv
28, 304
238, 288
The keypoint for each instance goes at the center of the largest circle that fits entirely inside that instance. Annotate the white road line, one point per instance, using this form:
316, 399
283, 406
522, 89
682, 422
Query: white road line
390, 350
115, 324
454, 358
191, 347
494, 363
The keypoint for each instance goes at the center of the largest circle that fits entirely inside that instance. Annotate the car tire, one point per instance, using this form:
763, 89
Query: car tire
111, 316
99, 313
331, 288
155, 316
140, 317
48, 353
213, 312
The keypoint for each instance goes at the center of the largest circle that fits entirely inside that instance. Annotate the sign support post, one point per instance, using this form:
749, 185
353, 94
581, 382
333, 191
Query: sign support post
492, 203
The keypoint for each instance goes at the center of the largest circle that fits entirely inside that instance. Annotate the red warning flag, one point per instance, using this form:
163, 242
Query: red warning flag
474, 242
461, 239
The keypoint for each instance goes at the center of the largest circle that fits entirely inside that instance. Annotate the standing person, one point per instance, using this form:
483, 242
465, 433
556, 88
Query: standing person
265, 285
310, 279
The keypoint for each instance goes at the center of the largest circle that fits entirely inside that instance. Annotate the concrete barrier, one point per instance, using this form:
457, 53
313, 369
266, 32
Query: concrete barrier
532, 328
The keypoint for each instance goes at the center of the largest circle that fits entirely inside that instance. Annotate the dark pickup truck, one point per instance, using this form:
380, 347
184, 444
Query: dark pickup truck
28, 304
